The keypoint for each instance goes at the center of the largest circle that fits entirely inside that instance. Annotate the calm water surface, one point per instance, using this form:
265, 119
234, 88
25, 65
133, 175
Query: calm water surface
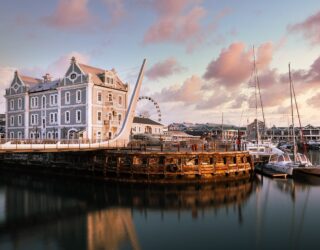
52, 213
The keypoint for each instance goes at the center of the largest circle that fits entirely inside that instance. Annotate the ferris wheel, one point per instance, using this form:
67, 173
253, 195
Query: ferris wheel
148, 108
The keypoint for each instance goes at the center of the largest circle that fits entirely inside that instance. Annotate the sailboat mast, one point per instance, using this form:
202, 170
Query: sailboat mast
256, 95
258, 87
222, 126
301, 132
293, 134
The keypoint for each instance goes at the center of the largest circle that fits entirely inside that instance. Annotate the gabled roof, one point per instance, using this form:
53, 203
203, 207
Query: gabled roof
30, 81
93, 71
143, 120
97, 75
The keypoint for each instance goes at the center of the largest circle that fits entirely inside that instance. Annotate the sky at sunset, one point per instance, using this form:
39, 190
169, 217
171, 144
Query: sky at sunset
199, 53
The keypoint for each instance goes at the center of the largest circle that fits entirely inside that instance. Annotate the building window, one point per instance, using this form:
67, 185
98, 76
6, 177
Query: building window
120, 100
43, 102
53, 118
67, 97
78, 116
78, 96
34, 102
110, 116
99, 97
67, 117
19, 120
110, 97
53, 99
19, 135
99, 116
11, 135
19, 103
12, 121
99, 134
34, 119
119, 117
11, 104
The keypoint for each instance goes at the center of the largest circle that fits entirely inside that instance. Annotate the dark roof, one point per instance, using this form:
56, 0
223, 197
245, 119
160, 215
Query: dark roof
44, 86
144, 120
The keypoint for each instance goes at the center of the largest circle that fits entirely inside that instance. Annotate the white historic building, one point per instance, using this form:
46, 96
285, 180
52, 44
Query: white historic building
142, 125
87, 103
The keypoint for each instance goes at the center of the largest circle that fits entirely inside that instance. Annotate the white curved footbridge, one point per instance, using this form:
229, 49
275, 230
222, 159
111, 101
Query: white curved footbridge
120, 140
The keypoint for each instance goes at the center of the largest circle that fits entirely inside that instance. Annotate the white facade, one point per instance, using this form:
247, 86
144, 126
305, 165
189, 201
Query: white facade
146, 126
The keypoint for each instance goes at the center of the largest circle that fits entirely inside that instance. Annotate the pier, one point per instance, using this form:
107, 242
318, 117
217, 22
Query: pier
133, 164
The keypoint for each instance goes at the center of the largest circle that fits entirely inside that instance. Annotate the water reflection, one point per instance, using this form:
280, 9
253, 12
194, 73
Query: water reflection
38, 213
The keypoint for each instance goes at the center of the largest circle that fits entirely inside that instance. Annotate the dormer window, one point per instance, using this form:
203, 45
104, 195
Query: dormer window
73, 76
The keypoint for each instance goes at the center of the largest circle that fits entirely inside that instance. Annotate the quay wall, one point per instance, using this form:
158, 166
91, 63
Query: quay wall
135, 166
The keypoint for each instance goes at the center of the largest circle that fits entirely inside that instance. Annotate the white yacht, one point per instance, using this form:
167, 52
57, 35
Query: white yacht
262, 152
284, 164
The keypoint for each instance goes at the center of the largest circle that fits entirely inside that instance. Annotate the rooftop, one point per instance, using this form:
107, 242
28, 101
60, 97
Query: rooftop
143, 120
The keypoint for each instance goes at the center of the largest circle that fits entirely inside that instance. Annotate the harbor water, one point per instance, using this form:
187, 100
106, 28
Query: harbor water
46, 212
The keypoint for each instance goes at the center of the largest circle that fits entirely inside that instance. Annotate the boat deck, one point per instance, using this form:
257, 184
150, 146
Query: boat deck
269, 172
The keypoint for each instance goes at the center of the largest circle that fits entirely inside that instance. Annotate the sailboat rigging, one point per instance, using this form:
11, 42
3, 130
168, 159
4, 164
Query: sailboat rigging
300, 164
260, 151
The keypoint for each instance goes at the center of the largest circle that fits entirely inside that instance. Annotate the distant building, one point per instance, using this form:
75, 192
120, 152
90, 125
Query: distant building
2, 125
87, 103
178, 136
142, 125
252, 129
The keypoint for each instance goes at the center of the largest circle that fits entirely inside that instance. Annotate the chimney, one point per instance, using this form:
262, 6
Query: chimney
47, 77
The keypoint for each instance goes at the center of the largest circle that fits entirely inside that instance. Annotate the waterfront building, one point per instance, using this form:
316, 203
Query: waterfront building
143, 125
2, 125
253, 128
86, 103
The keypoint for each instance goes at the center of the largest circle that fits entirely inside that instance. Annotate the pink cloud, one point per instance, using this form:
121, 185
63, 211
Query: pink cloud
314, 101
178, 21
188, 93
175, 28
70, 14
309, 27
57, 68
164, 69
117, 11
234, 65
